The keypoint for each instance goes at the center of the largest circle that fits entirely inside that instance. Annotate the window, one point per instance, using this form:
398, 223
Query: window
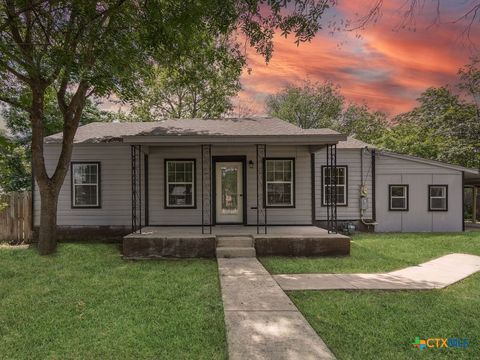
341, 178
85, 184
438, 197
398, 197
279, 184
179, 183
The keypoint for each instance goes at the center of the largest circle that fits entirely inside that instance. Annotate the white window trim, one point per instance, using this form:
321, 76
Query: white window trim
96, 184
405, 197
344, 186
445, 196
167, 184
291, 182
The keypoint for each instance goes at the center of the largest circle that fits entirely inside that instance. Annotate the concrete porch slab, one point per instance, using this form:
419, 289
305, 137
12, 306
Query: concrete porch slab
188, 241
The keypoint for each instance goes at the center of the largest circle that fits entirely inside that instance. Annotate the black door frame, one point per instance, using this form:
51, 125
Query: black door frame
237, 158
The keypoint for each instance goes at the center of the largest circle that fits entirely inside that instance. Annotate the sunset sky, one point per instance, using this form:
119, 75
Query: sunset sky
385, 67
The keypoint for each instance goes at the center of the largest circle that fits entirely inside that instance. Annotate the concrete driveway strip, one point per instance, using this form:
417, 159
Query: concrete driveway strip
434, 274
261, 321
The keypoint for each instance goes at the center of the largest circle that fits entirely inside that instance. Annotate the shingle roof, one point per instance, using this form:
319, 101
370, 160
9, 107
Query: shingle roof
255, 126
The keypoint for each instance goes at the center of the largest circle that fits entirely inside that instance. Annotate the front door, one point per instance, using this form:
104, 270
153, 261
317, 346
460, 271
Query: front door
229, 192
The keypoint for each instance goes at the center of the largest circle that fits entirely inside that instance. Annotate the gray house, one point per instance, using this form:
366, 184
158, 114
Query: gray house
201, 180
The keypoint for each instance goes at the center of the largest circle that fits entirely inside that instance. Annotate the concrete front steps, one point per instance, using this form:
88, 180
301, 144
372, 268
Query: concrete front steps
235, 247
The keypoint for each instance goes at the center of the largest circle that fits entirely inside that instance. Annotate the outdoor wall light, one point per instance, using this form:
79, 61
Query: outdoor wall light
250, 164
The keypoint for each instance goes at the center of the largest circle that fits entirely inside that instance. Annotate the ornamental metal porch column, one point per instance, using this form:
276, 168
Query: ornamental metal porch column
331, 188
261, 200
136, 172
206, 188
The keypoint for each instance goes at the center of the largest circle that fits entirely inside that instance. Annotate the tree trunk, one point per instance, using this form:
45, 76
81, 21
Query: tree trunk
49, 187
47, 236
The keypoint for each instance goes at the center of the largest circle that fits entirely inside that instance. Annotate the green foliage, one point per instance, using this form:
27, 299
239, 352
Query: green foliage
15, 153
309, 106
18, 120
315, 105
15, 170
362, 123
198, 86
443, 127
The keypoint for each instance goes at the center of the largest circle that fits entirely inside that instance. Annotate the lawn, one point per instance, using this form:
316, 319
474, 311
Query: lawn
86, 302
383, 324
380, 253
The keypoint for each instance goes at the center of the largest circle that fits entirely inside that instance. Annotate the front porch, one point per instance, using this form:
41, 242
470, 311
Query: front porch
188, 241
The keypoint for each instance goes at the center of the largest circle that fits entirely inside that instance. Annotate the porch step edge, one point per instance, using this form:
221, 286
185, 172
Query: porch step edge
235, 242
235, 252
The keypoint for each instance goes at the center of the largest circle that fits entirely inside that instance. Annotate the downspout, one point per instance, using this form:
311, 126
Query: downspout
364, 190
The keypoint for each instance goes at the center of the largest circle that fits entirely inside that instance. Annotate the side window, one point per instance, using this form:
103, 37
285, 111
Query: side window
398, 197
279, 182
179, 184
341, 180
85, 184
437, 197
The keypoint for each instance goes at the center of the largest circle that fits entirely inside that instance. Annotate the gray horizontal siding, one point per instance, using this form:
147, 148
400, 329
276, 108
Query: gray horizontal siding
351, 158
115, 186
418, 176
301, 214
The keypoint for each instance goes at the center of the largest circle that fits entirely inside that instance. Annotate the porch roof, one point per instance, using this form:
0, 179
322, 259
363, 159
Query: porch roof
199, 131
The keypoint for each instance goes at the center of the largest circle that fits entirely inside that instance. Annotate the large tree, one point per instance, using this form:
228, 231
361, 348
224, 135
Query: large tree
308, 105
442, 127
200, 85
85, 48
321, 105
15, 151
362, 123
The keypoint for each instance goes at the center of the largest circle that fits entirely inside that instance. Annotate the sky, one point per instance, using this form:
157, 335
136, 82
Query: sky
385, 66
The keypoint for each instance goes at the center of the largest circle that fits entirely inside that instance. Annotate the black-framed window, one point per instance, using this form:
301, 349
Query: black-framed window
342, 185
85, 184
279, 182
398, 197
438, 197
180, 183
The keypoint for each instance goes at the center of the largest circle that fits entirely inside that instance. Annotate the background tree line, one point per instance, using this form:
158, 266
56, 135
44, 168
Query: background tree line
444, 126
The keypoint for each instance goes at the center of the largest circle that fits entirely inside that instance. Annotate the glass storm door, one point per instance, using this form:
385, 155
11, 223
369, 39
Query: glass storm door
229, 192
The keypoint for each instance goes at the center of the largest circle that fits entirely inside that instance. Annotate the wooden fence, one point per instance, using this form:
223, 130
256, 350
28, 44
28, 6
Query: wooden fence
16, 217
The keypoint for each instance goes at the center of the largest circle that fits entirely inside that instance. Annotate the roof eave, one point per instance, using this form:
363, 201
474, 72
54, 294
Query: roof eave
430, 162
297, 139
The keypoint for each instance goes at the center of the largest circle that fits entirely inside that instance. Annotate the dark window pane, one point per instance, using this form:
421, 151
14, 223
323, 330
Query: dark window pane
85, 195
437, 191
397, 191
171, 172
398, 203
279, 194
189, 174
439, 203
180, 195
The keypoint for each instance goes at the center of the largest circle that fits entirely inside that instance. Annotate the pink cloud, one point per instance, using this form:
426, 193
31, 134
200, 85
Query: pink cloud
385, 68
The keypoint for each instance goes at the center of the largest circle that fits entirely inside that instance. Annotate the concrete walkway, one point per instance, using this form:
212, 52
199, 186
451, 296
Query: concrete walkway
261, 321
435, 274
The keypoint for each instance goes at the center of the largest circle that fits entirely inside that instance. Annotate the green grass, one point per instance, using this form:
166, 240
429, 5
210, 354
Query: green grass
383, 324
380, 253
86, 302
